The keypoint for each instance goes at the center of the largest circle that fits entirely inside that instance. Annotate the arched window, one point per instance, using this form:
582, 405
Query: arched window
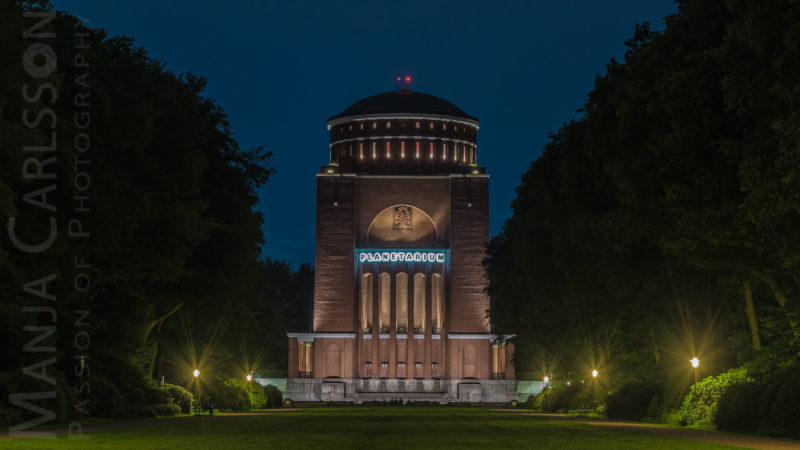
419, 303
402, 302
366, 302
436, 302
385, 286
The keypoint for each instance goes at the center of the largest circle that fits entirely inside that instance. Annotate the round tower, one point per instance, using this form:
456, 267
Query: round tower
399, 289
403, 132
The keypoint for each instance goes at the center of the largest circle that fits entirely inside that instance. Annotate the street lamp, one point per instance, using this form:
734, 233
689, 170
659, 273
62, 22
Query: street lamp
249, 377
595, 373
196, 373
546, 380
695, 364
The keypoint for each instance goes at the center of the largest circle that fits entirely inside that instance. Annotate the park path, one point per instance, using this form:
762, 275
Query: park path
715, 437
142, 423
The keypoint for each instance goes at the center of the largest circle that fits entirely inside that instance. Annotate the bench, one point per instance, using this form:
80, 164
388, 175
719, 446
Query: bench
198, 411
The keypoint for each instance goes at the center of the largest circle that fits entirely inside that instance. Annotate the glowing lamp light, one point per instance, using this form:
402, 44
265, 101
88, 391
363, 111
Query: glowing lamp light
695, 362
249, 377
595, 373
408, 78
196, 373
546, 379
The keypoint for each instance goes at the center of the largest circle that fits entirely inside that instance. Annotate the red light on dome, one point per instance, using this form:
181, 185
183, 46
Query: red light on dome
399, 78
408, 79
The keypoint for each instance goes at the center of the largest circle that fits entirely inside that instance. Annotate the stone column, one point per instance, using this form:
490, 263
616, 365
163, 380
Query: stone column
309, 357
393, 325
428, 324
410, 327
376, 330
294, 355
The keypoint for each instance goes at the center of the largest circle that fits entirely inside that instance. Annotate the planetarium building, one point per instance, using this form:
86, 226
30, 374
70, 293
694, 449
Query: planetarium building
400, 310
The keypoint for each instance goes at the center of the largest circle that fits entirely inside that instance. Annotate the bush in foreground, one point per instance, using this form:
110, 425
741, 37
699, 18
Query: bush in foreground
230, 394
167, 409
635, 401
563, 397
738, 407
274, 396
700, 405
780, 403
180, 397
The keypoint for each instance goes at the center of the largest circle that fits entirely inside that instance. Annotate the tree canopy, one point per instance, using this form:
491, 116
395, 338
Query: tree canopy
662, 224
167, 273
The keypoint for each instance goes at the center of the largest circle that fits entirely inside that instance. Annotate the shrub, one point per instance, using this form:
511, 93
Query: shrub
154, 395
230, 394
258, 396
700, 405
530, 402
167, 409
9, 417
781, 400
563, 397
142, 411
635, 401
738, 407
105, 400
179, 396
274, 396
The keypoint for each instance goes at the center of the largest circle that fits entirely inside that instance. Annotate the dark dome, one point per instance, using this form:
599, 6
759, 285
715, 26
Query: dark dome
403, 102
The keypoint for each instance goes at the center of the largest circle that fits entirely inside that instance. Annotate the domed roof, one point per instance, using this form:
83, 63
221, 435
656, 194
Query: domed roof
403, 101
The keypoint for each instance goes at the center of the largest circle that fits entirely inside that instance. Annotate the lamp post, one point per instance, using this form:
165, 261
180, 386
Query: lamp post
595, 373
195, 381
546, 394
695, 364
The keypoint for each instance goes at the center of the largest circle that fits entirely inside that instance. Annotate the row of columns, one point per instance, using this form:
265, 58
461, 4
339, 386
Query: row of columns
410, 358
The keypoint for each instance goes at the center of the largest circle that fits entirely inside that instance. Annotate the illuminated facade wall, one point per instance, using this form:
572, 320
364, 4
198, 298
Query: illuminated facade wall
402, 223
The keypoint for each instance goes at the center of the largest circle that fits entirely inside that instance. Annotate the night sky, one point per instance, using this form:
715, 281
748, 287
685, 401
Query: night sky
280, 69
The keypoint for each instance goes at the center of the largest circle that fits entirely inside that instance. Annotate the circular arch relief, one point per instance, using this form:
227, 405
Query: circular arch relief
402, 226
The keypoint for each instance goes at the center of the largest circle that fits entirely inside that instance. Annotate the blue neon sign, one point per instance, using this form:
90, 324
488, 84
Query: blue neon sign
401, 255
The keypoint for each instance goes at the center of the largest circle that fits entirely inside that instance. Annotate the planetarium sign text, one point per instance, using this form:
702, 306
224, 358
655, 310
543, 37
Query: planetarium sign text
385, 256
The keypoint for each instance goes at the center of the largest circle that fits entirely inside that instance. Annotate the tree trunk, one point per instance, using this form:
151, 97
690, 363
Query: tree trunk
781, 299
157, 322
160, 321
751, 314
153, 359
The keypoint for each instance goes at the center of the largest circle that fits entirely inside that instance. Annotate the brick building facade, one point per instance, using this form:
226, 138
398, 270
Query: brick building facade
400, 310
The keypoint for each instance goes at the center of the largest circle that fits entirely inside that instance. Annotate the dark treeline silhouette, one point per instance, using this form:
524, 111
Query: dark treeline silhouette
157, 270
663, 223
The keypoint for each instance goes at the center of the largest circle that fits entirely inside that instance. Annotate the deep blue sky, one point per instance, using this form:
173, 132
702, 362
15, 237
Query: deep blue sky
280, 69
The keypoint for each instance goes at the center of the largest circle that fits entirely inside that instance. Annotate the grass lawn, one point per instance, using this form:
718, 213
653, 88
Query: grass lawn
364, 427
